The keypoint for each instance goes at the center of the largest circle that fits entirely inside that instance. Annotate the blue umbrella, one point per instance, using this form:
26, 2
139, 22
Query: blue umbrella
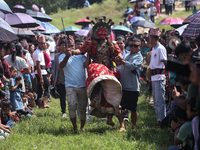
152, 1
134, 19
7, 33
50, 29
121, 28
4, 7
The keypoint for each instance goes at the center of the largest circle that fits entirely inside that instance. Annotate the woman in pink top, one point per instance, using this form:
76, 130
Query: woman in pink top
157, 5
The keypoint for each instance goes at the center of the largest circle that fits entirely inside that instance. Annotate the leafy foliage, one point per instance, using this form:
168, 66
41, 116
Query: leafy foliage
50, 6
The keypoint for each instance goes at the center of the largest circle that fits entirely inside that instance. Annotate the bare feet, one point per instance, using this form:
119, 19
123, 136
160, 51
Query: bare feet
133, 128
111, 123
158, 125
46, 106
93, 104
82, 129
75, 130
122, 129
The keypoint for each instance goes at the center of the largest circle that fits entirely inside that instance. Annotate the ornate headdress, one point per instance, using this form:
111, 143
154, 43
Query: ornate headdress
102, 29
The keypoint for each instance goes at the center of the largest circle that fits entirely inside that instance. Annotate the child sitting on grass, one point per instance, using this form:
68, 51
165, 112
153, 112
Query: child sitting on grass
6, 123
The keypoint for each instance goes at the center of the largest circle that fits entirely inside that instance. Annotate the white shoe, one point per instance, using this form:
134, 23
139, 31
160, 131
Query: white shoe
64, 115
126, 120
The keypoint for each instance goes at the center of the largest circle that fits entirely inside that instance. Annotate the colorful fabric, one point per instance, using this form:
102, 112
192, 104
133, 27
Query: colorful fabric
47, 60
155, 32
110, 88
101, 30
192, 30
101, 54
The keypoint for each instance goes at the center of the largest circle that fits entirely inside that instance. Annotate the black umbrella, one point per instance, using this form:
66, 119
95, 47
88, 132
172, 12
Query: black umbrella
20, 20
144, 24
4, 7
40, 16
23, 32
7, 33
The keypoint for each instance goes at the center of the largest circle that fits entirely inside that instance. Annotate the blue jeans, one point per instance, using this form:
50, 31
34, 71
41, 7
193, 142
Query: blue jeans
158, 92
174, 148
10, 123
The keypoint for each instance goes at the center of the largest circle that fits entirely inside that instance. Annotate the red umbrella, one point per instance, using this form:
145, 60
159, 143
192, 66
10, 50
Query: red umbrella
83, 22
171, 21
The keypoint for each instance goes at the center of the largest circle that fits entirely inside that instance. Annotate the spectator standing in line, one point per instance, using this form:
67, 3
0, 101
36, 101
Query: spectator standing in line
136, 9
40, 72
187, 8
170, 4
157, 5
153, 11
127, 23
87, 3
59, 78
157, 66
52, 49
19, 62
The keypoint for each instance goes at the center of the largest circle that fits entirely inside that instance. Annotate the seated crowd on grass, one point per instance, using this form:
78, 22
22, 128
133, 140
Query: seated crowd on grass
30, 66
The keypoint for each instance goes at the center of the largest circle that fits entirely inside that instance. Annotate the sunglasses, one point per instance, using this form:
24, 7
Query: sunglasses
134, 45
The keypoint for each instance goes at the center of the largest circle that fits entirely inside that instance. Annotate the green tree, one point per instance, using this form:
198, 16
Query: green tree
50, 6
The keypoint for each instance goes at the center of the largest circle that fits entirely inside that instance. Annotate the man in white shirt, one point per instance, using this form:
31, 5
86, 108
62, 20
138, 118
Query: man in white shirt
52, 49
40, 72
157, 65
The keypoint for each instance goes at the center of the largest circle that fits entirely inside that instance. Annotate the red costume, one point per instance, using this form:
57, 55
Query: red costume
102, 52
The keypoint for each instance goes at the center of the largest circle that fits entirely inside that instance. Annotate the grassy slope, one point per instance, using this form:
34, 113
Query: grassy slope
108, 8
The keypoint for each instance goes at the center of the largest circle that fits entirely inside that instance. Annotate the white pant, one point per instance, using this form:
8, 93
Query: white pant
77, 98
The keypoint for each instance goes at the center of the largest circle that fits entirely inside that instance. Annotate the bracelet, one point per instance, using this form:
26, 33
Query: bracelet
73, 52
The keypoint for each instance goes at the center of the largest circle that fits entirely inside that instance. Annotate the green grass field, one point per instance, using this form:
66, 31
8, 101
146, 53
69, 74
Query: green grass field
49, 131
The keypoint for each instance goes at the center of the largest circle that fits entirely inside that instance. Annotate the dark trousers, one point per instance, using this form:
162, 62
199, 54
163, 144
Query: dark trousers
169, 9
152, 18
62, 92
45, 86
166, 9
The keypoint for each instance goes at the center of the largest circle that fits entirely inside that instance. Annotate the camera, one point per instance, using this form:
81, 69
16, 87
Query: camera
178, 67
18, 79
